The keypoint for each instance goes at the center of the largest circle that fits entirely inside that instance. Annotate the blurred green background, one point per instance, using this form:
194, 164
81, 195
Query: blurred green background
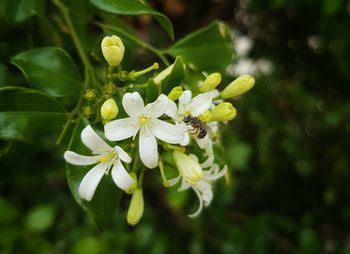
286, 151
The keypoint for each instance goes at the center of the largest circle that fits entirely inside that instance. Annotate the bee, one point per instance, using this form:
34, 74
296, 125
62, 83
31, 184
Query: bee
199, 127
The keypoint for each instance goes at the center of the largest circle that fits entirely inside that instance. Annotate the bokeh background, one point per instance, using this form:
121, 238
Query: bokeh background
287, 150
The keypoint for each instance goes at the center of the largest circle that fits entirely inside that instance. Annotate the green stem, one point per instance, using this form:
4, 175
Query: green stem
143, 44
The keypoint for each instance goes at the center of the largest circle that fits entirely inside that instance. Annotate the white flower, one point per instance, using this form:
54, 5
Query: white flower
145, 119
202, 188
106, 157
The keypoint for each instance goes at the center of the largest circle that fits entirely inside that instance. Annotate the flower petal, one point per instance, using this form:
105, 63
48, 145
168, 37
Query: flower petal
158, 107
217, 175
80, 160
122, 128
206, 191
171, 182
184, 185
122, 154
171, 109
200, 104
121, 177
184, 101
166, 132
186, 139
93, 141
200, 207
148, 148
133, 104
90, 181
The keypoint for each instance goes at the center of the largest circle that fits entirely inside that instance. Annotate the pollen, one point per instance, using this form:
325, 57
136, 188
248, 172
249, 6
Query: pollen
143, 120
187, 112
103, 159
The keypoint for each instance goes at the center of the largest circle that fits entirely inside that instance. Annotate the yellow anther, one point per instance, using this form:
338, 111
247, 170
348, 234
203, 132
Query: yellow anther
103, 159
187, 112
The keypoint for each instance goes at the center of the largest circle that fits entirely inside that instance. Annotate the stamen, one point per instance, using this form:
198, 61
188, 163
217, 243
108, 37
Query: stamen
143, 120
135, 74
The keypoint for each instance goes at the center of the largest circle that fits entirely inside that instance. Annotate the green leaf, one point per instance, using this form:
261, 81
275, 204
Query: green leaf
26, 114
174, 77
104, 204
51, 70
134, 7
20, 10
209, 48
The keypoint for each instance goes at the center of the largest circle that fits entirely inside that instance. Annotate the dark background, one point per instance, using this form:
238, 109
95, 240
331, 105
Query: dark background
287, 151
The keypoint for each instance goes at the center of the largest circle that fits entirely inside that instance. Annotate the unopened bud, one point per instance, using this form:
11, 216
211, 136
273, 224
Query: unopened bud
109, 109
188, 167
132, 188
136, 207
113, 49
211, 82
109, 89
237, 87
87, 111
90, 94
223, 112
175, 93
205, 116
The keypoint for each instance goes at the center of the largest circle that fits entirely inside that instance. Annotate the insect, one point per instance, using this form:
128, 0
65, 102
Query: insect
200, 128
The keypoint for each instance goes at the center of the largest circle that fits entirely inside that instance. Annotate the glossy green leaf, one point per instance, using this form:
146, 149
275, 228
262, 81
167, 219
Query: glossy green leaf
104, 204
51, 70
26, 114
175, 77
20, 10
134, 7
208, 49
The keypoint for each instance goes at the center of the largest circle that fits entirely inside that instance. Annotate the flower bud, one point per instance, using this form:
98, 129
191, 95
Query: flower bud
109, 109
136, 207
109, 89
188, 167
87, 111
237, 87
113, 49
90, 94
175, 93
223, 112
132, 188
211, 82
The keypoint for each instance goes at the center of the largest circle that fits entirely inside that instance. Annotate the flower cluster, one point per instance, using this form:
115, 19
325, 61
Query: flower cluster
165, 133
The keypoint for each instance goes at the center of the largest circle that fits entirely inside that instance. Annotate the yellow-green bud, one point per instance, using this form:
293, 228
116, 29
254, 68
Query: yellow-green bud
136, 207
87, 111
237, 87
205, 116
212, 81
188, 167
90, 94
113, 50
175, 93
223, 112
132, 188
109, 89
109, 109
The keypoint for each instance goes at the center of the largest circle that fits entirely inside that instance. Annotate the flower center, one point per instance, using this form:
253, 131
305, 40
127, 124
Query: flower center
107, 157
187, 112
143, 120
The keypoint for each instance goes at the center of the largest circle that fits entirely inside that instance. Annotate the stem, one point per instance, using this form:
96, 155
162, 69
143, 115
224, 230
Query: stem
87, 65
140, 178
143, 44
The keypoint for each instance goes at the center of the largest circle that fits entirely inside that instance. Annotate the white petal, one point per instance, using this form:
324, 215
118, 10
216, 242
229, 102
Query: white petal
173, 181
80, 160
121, 177
186, 139
217, 175
122, 128
93, 141
184, 101
200, 104
148, 148
122, 154
133, 104
206, 191
208, 162
158, 107
171, 109
184, 185
200, 207
166, 132
90, 181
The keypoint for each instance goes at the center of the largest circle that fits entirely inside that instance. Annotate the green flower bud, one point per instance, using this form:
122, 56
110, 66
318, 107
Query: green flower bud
211, 82
87, 111
175, 93
136, 207
134, 186
237, 87
113, 50
188, 167
109, 109
223, 112
109, 89
90, 94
